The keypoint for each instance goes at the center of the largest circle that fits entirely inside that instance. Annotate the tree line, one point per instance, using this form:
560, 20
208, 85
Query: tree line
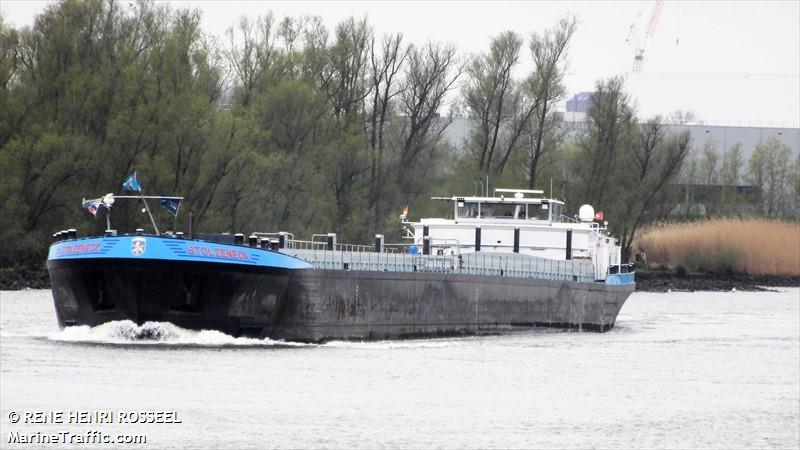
767, 184
285, 124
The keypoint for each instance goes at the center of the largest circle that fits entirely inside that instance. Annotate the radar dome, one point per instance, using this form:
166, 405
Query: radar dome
586, 213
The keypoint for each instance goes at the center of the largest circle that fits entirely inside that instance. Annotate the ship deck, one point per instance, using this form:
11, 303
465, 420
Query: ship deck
476, 263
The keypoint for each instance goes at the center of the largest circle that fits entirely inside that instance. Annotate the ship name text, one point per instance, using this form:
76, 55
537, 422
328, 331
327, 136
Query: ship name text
217, 252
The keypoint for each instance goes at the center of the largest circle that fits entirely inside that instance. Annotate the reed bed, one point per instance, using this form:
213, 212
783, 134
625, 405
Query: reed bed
754, 246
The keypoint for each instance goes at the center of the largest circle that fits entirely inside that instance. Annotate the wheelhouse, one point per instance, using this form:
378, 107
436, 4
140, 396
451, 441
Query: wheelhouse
507, 208
518, 221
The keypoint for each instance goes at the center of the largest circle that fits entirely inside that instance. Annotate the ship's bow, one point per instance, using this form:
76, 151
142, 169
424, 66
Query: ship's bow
193, 284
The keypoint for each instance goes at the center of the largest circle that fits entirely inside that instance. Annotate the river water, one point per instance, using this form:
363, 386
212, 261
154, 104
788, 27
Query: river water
680, 370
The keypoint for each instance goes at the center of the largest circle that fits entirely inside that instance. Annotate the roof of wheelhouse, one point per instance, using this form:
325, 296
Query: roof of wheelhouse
517, 196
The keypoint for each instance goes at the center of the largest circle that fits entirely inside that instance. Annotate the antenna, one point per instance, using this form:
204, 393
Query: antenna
514, 191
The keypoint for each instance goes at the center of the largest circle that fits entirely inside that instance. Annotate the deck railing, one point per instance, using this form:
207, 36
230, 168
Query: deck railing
478, 263
296, 244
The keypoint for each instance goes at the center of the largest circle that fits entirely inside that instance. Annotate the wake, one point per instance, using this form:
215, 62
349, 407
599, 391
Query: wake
127, 332
158, 333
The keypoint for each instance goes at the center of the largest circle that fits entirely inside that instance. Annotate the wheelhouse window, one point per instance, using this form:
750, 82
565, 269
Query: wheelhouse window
539, 212
507, 210
502, 211
556, 212
467, 210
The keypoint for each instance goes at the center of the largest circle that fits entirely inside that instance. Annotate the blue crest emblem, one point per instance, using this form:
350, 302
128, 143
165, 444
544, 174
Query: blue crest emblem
138, 246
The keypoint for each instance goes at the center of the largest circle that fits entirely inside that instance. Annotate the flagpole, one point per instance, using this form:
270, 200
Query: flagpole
175, 219
149, 214
132, 184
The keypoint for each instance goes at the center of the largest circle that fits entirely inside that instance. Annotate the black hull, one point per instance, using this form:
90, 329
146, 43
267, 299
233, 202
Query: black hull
315, 305
217, 296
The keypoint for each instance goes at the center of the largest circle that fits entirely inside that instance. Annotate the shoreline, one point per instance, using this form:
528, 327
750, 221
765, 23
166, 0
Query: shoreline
670, 281
20, 277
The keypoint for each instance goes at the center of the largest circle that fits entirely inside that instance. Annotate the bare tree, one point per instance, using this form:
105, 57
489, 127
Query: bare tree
610, 124
315, 64
769, 169
546, 86
385, 65
793, 209
9, 65
681, 117
349, 64
731, 171
430, 73
491, 95
708, 162
657, 160
252, 55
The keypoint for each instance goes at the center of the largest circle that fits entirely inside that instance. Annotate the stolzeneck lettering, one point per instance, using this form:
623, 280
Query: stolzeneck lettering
78, 249
218, 252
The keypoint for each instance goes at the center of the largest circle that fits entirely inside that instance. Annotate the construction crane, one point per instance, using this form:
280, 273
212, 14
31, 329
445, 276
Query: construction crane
639, 43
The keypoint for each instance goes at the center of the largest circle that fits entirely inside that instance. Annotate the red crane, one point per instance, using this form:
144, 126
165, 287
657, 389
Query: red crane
640, 43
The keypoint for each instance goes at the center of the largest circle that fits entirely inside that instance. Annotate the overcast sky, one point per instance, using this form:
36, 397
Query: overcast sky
732, 63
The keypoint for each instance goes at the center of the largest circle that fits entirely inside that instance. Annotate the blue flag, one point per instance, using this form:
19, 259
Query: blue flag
131, 184
171, 205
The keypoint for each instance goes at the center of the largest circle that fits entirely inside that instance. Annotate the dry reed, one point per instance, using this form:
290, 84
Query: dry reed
755, 246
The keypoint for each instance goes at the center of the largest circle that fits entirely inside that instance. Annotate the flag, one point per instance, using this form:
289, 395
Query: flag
171, 205
598, 215
131, 184
92, 205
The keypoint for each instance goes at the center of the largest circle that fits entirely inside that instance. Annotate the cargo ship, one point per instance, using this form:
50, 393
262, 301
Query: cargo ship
501, 263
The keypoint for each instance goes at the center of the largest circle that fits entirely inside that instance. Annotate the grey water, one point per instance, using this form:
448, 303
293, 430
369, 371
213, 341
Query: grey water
680, 370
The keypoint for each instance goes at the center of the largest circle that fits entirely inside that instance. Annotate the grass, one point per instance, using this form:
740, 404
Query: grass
754, 246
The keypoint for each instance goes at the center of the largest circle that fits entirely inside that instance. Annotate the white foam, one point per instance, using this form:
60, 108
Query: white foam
126, 332
155, 333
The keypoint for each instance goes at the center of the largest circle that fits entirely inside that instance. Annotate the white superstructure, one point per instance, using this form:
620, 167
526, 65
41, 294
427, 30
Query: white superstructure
519, 221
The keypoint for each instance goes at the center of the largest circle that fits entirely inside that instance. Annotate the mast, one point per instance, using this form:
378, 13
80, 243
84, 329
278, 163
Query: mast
108, 200
152, 220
